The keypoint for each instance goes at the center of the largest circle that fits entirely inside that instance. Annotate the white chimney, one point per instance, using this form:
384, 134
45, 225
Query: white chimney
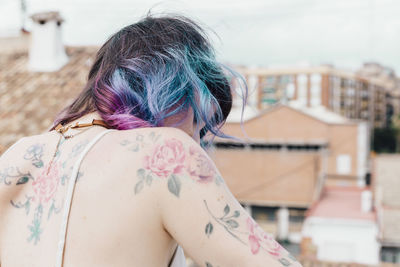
366, 201
46, 52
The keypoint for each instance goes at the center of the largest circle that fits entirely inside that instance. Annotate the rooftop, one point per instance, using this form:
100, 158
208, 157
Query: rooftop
29, 101
317, 112
341, 203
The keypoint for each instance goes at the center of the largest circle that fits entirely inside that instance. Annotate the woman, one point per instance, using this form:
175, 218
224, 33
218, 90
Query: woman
81, 195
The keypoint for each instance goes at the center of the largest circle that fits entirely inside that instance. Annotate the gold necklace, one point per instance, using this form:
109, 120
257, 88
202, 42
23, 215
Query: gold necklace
63, 129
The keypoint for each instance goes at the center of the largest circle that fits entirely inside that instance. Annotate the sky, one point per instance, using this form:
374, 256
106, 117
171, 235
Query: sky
265, 33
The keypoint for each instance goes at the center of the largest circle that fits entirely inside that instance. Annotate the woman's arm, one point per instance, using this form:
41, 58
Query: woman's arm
199, 211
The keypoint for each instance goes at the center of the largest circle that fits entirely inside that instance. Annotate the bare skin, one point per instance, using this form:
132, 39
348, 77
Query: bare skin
129, 206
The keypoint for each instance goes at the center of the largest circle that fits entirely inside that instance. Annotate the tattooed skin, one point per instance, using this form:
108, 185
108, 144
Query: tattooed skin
76, 150
257, 239
40, 199
41, 202
168, 160
34, 153
140, 141
228, 220
13, 174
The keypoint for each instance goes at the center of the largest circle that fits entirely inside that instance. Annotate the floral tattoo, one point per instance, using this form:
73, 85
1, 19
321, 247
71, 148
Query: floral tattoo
34, 153
252, 236
42, 199
169, 160
41, 202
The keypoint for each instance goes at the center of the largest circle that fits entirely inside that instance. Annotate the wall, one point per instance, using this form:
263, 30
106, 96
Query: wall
343, 141
269, 178
343, 240
281, 124
387, 190
284, 124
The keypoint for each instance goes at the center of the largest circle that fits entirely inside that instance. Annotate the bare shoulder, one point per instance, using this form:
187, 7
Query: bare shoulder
152, 135
35, 142
188, 186
139, 142
166, 155
16, 162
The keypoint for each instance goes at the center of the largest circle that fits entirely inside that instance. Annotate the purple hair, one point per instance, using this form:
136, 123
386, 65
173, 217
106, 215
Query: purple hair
151, 70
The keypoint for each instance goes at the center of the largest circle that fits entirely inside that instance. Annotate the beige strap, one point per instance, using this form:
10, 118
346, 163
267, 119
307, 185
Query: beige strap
62, 129
68, 199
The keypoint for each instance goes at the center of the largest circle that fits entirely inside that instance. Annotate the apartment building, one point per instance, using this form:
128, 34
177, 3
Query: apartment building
354, 95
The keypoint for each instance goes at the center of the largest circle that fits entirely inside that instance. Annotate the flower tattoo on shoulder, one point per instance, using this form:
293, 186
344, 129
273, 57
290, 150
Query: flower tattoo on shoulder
171, 160
166, 159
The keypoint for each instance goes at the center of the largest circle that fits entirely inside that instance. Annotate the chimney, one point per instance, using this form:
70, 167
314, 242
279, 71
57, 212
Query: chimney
46, 52
366, 201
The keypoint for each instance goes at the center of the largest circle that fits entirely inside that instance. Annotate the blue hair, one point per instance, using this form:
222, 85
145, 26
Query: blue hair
154, 69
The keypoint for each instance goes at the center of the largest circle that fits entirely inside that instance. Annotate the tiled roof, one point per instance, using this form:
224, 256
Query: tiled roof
341, 203
318, 112
29, 101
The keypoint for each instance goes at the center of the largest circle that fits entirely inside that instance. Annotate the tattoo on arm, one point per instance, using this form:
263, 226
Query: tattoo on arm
253, 237
76, 150
227, 221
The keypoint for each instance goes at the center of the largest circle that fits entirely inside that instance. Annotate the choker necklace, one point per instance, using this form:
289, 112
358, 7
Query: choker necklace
63, 129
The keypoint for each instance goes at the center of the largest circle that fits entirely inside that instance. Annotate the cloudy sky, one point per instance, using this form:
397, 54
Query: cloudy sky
253, 32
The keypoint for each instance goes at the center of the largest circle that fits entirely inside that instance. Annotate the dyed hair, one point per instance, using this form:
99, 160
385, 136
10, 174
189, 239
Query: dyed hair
153, 69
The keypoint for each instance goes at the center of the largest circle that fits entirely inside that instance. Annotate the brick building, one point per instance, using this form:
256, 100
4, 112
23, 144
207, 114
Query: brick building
284, 157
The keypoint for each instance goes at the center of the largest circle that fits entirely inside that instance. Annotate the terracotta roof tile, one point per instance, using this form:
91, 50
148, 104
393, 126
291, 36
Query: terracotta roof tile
341, 203
29, 101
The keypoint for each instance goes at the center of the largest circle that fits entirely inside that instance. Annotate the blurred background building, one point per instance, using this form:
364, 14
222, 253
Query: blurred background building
306, 139
370, 93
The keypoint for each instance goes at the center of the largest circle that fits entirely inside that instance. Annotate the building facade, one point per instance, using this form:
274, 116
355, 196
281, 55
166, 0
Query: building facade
283, 158
354, 95
285, 135
342, 227
387, 201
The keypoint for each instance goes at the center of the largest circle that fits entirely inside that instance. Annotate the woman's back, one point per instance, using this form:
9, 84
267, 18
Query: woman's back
108, 226
137, 192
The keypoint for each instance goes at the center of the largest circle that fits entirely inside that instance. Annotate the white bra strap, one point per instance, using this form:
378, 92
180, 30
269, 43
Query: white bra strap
179, 259
68, 199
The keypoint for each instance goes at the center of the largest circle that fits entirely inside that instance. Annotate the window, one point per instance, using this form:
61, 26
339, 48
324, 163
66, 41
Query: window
390, 254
